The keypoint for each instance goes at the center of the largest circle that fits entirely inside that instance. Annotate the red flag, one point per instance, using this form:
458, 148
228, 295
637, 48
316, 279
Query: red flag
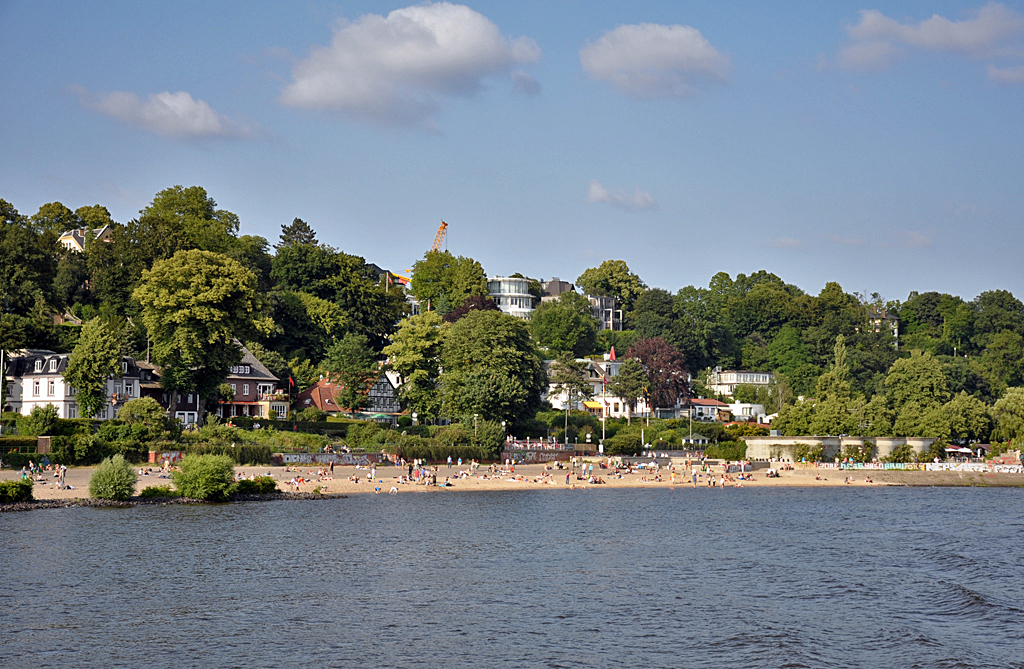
612, 354
291, 381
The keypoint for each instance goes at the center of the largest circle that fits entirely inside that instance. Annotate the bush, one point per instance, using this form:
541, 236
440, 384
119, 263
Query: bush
15, 491
206, 477
156, 491
261, 485
38, 423
114, 478
17, 445
312, 414
727, 450
808, 453
243, 454
904, 453
626, 443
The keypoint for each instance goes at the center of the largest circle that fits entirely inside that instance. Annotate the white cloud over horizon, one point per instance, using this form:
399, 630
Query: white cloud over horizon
651, 60
638, 200
392, 70
176, 115
876, 41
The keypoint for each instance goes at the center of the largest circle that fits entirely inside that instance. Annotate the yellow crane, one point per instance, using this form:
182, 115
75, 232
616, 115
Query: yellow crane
439, 237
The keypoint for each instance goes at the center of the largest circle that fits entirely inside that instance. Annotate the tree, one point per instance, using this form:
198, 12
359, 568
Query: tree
353, 367
490, 368
96, 358
195, 305
565, 324
612, 279
1008, 414
143, 411
296, 232
628, 385
665, 370
917, 379
569, 378
440, 274
26, 269
415, 355
188, 218
472, 303
968, 417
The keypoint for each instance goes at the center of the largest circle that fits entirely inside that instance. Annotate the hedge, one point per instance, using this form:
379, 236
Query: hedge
17, 444
15, 491
19, 460
243, 454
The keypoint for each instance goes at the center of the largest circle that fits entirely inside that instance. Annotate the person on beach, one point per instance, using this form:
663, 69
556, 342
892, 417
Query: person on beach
449, 462
567, 478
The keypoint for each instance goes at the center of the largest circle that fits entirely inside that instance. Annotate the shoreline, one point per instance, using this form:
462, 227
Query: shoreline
526, 477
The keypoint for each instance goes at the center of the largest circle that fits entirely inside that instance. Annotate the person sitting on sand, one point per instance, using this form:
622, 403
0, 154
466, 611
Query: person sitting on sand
393, 491
867, 479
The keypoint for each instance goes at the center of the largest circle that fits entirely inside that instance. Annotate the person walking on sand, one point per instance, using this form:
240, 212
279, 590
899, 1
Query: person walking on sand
449, 462
567, 478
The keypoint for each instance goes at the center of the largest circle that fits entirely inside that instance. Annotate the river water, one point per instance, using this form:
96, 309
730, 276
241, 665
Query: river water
893, 577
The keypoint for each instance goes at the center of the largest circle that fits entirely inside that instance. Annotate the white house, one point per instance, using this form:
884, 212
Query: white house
512, 295
724, 382
74, 240
35, 378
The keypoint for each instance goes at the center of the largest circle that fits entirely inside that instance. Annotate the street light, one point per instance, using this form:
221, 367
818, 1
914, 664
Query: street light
474, 426
414, 415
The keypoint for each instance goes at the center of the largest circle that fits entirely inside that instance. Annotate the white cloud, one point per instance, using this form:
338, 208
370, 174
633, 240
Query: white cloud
638, 200
654, 61
1006, 75
176, 115
524, 84
877, 40
392, 69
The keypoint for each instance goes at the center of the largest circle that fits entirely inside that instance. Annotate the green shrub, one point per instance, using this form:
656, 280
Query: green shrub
904, 453
207, 477
627, 443
38, 423
727, 450
261, 485
17, 445
808, 453
114, 478
243, 454
312, 414
159, 491
15, 491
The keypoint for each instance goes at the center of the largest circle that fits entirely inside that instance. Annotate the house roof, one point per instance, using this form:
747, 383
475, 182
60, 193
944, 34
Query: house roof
706, 403
257, 370
78, 235
319, 395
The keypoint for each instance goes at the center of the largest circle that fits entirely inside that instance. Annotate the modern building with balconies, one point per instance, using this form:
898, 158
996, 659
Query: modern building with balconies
512, 295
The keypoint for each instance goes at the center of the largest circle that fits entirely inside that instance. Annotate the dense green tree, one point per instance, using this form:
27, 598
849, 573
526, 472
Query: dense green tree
620, 340
968, 418
705, 339
569, 379
565, 325
997, 311
189, 219
917, 379
415, 355
490, 368
353, 367
612, 279
52, 220
194, 305
1003, 359
96, 358
296, 232
253, 253
440, 274
304, 325
1008, 414
26, 269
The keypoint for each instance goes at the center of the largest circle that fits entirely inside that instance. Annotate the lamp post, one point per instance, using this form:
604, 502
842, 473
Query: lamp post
414, 416
474, 426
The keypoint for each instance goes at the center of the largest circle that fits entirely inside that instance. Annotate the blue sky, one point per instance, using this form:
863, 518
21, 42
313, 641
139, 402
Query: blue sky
880, 146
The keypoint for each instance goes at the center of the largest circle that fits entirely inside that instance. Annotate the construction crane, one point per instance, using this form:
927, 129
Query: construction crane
439, 237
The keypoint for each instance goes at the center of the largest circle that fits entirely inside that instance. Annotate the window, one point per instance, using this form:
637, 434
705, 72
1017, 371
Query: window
129, 388
72, 411
234, 389
49, 387
124, 367
72, 391
245, 389
53, 364
35, 389
39, 366
117, 388
190, 398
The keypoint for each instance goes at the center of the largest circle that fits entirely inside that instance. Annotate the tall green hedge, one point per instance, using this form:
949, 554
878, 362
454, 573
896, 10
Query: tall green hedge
243, 454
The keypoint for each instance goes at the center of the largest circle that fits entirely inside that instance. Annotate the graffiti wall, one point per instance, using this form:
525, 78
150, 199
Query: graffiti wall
526, 457
325, 458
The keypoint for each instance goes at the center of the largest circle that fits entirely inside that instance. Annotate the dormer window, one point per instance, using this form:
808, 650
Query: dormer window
53, 364
124, 367
39, 366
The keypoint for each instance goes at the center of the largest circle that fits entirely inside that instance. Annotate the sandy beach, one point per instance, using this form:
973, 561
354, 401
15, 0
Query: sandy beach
534, 477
